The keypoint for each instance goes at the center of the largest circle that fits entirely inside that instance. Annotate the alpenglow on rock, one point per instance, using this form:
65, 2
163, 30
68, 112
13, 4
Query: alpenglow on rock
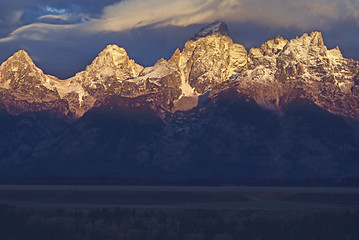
208, 60
281, 71
276, 73
25, 88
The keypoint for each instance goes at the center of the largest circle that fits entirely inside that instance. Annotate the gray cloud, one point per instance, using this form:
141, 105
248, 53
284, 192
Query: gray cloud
17, 13
64, 19
275, 13
130, 14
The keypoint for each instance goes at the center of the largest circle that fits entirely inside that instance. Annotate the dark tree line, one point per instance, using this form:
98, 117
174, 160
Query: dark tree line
130, 224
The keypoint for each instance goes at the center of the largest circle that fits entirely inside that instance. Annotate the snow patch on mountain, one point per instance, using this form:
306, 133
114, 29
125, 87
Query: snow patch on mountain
273, 74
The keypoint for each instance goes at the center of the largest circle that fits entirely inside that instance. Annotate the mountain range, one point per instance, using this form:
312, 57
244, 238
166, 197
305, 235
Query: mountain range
286, 110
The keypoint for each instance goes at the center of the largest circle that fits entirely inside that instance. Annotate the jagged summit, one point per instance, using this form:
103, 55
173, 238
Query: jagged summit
317, 38
207, 105
115, 52
276, 73
213, 28
20, 56
21, 53
113, 62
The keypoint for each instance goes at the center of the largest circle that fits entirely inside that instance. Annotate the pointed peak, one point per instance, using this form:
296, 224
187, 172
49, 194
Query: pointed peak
114, 49
175, 57
22, 55
312, 35
335, 53
315, 38
114, 61
213, 28
316, 34
112, 54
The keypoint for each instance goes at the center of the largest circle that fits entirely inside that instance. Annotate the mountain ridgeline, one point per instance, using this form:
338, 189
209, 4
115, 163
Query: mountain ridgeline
286, 110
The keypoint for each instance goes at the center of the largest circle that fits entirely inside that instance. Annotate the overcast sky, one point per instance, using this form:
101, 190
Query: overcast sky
63, 36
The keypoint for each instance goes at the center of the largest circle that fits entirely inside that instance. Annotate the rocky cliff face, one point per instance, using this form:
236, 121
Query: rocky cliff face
210, 111
25, 88
281, 71
207, 60
274, 74
103, 77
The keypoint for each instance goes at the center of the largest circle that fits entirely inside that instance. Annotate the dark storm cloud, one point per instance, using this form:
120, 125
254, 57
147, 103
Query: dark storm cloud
9, 17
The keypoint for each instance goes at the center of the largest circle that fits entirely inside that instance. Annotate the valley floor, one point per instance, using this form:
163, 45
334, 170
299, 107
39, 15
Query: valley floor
190, 197
177, 213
